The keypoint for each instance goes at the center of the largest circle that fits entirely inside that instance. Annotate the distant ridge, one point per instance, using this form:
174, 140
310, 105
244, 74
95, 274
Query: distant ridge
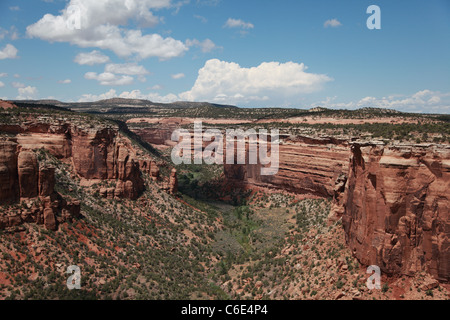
124, 103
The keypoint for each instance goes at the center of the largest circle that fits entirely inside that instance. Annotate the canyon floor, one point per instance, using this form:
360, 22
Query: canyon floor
97, 189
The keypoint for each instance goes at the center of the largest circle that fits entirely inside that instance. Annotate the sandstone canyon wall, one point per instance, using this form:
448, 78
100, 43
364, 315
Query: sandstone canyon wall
306, 166
23, 178
394, 201
395, 208
94, 154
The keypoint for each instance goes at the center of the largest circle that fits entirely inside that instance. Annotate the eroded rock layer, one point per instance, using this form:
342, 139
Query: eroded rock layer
394, 201
34, 185
306, 166
94, 154
100, 154
395, 208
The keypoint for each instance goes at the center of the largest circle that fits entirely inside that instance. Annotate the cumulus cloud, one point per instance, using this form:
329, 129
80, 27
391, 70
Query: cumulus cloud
3, 74
109, 79
206, 45
17, 84
152, 96
27, 93
126, 68
156, 87
91, 58
12, 32
201, 18
178, 76
97, 24
92, 97
135, 94
8, 52
238, 23
211, 3
228, 82
425, 101
66, 81
1, 84
333, 23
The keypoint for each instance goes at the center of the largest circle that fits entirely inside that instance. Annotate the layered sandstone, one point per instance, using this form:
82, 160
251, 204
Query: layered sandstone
157, 136
33, 184
103, 155
9, 180
173, 182
94, 155
100, 154
395, 208
393, 200
306, 166
27, 168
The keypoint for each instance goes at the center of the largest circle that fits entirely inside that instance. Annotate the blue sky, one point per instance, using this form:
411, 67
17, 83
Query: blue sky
249, 53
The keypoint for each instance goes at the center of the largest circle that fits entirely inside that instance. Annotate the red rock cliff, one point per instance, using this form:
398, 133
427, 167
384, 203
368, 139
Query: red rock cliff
9, 180
33, 185
395, 208
95, 154
306, 166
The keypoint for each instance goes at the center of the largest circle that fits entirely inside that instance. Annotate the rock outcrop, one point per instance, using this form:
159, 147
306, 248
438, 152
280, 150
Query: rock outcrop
34, 186
394, 201
151, 168
27, 167
9, 180
395, 208
173, 182
96, 154
306, 166
158, 136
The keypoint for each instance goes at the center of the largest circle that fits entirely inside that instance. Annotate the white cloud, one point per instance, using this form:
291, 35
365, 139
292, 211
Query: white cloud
425, 101
135, 94
27, 93
206, 45
178, 76
1, 84
92, 97
17, 85
201, 18
109, 79
91, 58
227, 82
156, 87
3, 74
334, 23
8, 52
16, 75
211, 3
126, 68
14, 8
12, 32
99, 27
118, 74
66, 81
238, 23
